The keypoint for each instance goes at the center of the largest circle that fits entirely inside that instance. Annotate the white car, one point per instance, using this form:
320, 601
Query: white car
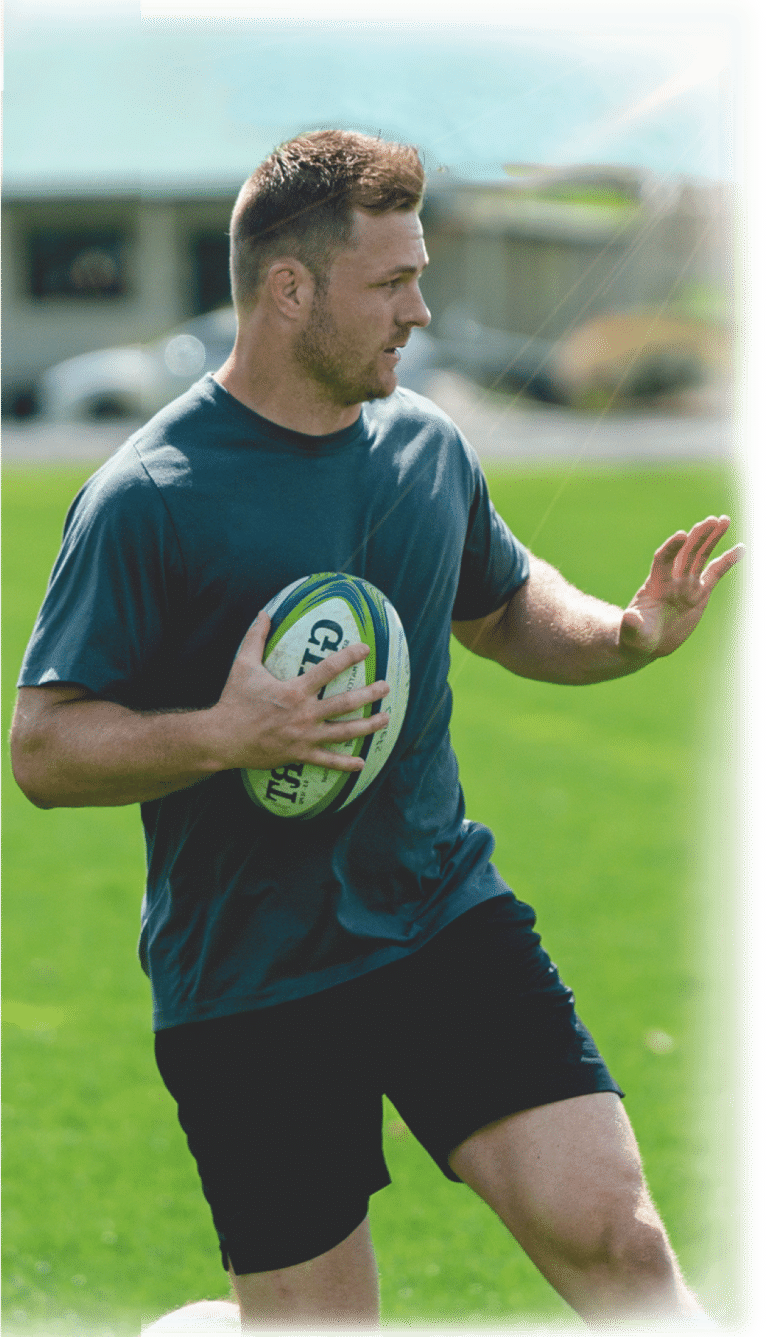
136, 381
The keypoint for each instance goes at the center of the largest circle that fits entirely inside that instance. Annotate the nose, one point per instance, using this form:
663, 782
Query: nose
415, 310
425, 315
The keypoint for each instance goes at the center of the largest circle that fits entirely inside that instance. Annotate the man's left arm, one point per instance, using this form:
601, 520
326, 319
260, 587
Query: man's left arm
550, 631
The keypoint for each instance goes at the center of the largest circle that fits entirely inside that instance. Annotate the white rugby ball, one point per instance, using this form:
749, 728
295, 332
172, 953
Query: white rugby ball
310, 619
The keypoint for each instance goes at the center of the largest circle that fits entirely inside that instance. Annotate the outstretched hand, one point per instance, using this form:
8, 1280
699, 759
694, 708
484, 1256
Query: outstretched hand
668, 606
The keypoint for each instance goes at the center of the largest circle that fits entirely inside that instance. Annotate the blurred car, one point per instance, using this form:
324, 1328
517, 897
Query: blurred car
499, 360
137, 381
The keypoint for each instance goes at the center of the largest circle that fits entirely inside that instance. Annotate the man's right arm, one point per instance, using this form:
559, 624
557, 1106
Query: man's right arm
73, 749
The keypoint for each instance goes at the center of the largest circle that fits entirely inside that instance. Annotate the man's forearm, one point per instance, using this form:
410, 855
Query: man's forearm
93, 753
553, 632
72, 749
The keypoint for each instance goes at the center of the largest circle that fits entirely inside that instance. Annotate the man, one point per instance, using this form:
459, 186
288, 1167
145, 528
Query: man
300, 970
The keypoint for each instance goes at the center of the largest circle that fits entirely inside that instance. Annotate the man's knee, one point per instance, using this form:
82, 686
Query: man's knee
619, 1232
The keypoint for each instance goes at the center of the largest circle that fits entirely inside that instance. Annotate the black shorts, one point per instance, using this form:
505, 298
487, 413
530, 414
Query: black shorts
282, 1106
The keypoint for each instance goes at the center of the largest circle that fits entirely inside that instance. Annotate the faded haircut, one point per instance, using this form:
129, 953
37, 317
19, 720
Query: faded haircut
300, 202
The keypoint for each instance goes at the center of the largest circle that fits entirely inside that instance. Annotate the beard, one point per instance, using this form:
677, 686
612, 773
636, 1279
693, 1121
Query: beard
334, 363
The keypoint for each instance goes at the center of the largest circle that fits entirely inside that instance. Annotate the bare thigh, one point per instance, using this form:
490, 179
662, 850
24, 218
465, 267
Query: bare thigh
553, 1162
567, 1181
340, 1288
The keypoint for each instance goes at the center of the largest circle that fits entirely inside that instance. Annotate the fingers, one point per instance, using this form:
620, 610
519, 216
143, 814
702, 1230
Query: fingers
255, 639
319, 675
345, 702
668, 551
686, 553
343, 732
346, 730
308, 687
322, 755
699, 544
333, 761
720, 565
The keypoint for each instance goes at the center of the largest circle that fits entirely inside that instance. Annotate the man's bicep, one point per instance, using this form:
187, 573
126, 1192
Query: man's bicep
35, 704
479, 634
504, 635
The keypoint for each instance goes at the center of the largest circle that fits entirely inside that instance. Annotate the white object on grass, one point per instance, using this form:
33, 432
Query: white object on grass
204, 1316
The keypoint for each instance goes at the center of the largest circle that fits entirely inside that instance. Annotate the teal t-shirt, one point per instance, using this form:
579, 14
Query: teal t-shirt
169, 552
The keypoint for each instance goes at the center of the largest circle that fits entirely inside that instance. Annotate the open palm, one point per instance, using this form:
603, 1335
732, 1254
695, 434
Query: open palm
668, 606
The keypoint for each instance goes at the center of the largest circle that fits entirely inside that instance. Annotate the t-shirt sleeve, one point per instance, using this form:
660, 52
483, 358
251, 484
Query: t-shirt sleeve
494, 563
106, 615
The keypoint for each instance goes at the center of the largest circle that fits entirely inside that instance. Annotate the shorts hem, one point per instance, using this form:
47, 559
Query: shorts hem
601, 1081
249, 1257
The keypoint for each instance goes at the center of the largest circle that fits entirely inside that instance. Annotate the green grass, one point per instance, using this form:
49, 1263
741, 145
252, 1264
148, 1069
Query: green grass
607, 804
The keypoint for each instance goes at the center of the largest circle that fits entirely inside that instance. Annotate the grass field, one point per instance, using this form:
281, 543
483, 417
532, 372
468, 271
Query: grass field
610, 806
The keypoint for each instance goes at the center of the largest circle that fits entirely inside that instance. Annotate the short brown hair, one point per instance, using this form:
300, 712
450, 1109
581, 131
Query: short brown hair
301, 200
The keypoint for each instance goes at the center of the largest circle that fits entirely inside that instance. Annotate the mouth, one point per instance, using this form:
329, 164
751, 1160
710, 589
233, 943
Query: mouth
394, 350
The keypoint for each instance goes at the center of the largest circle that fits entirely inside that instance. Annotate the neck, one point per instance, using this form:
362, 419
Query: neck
287, 399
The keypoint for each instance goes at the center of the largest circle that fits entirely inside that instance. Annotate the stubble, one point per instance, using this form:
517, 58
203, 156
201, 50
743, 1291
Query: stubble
333, 362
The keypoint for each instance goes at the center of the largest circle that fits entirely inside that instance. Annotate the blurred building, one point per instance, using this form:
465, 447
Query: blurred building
544, 252
536, 255
82, 271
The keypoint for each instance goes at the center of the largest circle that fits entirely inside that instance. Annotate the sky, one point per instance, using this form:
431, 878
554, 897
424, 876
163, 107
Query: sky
90, 89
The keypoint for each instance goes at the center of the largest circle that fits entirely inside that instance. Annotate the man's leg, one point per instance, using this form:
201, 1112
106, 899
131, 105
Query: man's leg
340, 1288
567, 1181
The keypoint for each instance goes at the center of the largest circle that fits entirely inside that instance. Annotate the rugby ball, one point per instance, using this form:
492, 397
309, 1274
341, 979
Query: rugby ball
309, 620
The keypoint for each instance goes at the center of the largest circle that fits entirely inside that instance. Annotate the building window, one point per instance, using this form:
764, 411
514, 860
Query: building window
210, 271
77, 264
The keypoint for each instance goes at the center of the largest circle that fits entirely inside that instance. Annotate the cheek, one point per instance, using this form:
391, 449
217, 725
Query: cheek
364, 335
362, 326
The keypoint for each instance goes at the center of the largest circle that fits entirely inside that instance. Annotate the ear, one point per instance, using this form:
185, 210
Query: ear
290, 286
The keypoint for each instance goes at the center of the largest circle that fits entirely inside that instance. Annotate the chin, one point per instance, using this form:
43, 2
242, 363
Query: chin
362, 391
382, 389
